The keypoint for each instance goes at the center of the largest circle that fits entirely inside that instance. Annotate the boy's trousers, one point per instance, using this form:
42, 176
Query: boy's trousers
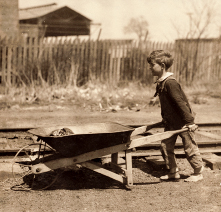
190, 147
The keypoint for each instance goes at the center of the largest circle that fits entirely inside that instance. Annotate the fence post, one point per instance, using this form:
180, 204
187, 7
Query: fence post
9, 62
3, 66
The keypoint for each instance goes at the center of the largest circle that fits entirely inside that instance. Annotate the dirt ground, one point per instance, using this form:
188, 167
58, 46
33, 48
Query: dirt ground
84, 190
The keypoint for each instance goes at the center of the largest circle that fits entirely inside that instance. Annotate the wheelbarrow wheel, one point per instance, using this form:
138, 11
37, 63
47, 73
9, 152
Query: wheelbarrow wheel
23, 161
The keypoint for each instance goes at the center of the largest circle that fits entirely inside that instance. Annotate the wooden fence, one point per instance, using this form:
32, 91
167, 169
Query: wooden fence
197, 60
58, 61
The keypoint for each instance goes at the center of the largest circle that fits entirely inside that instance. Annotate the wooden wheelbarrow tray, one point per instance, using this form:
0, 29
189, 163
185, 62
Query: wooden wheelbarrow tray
91, 141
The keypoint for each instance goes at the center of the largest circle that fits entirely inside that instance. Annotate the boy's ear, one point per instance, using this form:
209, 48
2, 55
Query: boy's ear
163, 65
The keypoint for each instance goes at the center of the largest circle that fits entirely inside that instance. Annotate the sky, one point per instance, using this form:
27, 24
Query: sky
165, 17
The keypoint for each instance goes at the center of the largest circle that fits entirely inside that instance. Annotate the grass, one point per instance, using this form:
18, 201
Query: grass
202, 92
98, 95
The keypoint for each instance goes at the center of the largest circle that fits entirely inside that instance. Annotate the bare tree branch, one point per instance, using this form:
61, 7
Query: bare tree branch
202, 14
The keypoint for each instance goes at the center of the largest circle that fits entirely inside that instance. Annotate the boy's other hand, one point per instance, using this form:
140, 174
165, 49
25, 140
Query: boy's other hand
191, 127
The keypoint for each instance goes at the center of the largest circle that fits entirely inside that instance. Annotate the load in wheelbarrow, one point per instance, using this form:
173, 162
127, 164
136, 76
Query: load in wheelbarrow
80, 145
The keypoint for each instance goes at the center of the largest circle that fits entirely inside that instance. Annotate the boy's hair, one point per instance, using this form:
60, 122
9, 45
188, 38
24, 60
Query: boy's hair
161, 56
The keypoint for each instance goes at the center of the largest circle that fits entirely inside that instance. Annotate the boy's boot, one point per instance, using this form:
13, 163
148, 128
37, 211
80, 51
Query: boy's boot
173, 175
196, 176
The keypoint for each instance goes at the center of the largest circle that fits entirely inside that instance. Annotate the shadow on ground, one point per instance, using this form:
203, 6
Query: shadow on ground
83, 178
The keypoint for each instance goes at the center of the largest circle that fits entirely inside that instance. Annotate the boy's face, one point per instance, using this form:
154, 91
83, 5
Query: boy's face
156, 69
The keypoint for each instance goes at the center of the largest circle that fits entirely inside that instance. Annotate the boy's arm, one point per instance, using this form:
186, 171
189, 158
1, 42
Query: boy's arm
174, 91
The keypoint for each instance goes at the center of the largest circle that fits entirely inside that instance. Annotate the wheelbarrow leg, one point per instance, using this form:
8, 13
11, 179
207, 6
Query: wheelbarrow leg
99, 169
129, 176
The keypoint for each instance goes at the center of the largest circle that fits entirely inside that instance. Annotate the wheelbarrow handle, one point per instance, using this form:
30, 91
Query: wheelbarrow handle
154, 125
143, 129
145, 140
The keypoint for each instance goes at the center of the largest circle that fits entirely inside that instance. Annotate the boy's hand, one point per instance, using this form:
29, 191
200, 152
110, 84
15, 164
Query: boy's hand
191, 127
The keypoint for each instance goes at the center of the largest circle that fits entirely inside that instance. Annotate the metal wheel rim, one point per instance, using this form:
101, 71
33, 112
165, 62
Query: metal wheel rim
23, 186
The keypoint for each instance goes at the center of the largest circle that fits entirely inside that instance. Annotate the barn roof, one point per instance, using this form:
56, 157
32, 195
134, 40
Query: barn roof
39, 11
59, 21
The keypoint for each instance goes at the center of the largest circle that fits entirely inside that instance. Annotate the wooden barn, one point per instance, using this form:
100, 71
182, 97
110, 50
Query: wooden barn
9, 24
51, 20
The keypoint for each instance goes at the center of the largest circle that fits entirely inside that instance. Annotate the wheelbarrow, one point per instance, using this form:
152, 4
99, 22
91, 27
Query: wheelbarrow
44, 160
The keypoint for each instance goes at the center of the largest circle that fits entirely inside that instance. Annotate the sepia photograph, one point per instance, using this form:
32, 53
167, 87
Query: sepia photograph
110, 105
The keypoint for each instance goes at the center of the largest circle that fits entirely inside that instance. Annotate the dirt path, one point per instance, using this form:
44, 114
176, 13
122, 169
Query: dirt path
84, 190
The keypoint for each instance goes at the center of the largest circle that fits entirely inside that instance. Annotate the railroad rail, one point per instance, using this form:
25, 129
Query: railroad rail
211, 142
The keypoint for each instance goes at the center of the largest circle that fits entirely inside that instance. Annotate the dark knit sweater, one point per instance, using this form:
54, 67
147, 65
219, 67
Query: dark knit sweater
175, 108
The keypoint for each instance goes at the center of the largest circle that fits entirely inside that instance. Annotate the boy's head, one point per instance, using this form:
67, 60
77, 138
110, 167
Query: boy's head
160, 57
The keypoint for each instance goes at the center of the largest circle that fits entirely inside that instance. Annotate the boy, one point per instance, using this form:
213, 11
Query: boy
176, 113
